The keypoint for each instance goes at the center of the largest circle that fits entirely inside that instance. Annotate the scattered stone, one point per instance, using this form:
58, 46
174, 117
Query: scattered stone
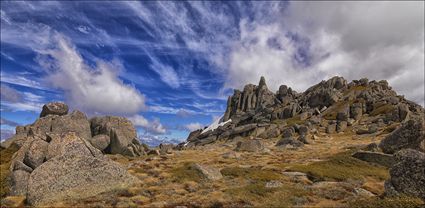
231, 155
303, 130
252, 145
383, 159
166, 148
208, 172
54, 108
298, 177
288, 132
331, 128
341, 126
289, 143
305, 139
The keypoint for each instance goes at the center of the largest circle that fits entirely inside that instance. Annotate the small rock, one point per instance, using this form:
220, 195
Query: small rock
273, 184
288, 132
54, 108
331, 128
231, 155
249, 146
375, 157
208, 172
289, 143
341, 126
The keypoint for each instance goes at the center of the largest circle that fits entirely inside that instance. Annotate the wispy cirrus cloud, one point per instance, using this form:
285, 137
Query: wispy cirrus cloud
152, 127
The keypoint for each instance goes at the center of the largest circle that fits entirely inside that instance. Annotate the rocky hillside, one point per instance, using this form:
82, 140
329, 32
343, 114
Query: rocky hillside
337, 144
368, 107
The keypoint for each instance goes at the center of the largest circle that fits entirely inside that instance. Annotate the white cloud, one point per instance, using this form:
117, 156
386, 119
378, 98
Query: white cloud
94, 89
154, 127
377, 40
9, 94
193, 126
166, 73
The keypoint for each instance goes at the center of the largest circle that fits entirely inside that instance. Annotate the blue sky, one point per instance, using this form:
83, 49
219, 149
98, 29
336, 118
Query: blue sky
169, 66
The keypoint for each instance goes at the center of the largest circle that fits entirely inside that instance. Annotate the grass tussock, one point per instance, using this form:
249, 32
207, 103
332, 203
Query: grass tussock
253, 173
186, 173
258, 195
388, 202
5, 160
341, 167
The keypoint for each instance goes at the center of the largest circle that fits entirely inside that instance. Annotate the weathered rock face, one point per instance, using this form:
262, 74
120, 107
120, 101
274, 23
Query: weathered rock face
251, 98
54, 108
122, 134
409, 135
74, 176
63, 167
325, 93
101, 141
408, 174
250, 146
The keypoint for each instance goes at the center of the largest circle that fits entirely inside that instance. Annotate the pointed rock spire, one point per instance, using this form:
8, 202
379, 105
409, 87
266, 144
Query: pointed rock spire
262, 82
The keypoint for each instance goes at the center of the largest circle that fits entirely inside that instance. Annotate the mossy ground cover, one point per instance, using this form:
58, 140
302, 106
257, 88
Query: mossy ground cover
341, 167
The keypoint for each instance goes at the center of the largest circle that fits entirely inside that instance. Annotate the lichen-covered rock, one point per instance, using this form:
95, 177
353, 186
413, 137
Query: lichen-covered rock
100, 141
19, 182
250, 145
122, 134
207, 172
36, 153
54, 108
408, 174
73, 177
409, 135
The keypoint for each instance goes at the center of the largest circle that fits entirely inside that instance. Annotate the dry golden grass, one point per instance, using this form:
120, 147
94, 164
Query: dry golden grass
169, 181
6, 156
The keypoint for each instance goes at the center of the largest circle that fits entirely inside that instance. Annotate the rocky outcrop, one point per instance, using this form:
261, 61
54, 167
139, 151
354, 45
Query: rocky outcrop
251, 98
331, 106
410, 135
407, 176
54, 108
122, 134
62, 168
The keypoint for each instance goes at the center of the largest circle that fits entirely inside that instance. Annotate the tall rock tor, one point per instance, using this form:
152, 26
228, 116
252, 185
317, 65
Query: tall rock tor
252, 98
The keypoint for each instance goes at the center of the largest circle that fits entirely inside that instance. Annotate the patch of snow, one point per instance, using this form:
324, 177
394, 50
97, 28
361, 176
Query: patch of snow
216, 124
